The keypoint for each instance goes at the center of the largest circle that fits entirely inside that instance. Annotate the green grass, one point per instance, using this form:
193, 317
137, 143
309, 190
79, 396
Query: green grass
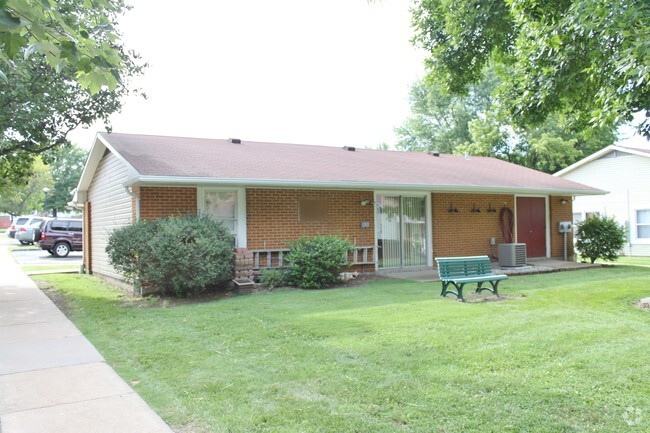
570, 354
634, 261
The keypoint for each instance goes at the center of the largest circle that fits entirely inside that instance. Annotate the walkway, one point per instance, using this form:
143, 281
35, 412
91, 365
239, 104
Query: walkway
534, 266
52, 380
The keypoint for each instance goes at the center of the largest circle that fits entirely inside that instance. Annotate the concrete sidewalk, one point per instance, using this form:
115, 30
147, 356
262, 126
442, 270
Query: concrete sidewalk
52, 380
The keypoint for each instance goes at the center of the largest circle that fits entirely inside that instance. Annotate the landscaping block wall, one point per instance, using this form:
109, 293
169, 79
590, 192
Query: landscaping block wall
158, 202
467, 233
274, 216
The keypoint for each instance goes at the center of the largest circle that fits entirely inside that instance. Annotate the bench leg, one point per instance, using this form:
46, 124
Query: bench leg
458, 292
494, 284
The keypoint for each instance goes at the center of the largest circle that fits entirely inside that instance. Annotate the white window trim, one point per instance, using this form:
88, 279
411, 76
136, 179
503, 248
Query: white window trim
240, 209
634, 234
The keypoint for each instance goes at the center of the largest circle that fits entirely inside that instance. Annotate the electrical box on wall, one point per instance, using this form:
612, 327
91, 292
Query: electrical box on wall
565, 226
365, 224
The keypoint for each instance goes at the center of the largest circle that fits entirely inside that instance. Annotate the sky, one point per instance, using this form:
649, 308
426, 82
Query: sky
333, 72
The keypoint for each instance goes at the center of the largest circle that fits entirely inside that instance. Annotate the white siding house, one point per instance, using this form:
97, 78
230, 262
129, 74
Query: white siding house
625, 173
107, 204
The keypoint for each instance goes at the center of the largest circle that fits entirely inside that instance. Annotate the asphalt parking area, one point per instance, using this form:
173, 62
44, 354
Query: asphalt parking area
32, 256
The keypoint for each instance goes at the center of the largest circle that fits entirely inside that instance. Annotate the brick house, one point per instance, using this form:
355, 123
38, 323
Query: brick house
401, 209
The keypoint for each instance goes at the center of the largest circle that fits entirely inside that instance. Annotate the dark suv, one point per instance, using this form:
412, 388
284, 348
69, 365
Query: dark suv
60, 236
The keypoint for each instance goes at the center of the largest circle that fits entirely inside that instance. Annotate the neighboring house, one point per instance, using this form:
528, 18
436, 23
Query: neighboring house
401, 209
625, 173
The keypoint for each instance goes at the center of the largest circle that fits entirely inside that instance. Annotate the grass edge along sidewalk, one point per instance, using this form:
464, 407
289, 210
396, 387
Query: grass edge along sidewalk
567, 352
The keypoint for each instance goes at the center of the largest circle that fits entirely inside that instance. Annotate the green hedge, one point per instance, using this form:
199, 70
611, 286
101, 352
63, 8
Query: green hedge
178, 255
316, 262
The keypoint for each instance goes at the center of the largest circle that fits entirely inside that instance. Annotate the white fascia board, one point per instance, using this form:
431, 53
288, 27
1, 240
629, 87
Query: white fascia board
602, 152
100, 145
372, 186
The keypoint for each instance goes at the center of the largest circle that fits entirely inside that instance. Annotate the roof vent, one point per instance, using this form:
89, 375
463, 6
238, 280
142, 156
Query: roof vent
349, 148
235, 140
434, 153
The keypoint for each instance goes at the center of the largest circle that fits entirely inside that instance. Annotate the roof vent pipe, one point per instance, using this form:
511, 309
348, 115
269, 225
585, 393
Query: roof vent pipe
349, 148
434, 153
235, 140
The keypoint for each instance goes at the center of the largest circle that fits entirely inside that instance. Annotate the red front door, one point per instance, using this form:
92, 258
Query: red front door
531, 225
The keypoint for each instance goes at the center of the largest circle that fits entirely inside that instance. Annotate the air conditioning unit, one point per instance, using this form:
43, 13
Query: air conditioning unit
512, 255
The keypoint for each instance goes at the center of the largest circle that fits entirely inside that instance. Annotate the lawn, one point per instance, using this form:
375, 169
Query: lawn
568, 352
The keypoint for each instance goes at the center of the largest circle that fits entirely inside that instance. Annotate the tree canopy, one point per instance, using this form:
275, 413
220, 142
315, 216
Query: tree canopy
585, 60
66, 166
77, 35
475, 124
58, 58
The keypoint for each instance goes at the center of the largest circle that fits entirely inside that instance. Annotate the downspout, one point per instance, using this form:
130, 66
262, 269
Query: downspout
129, 191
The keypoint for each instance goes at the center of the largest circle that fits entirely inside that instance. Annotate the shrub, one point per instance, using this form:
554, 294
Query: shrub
272, 278
178, 255
600, 238
128, 249
317, 262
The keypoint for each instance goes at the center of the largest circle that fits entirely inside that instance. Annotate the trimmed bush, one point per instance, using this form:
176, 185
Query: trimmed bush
178, 255
272, 278
600, 238
316, 262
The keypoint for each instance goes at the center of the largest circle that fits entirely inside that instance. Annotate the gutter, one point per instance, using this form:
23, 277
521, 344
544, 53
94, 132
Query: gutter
306, 184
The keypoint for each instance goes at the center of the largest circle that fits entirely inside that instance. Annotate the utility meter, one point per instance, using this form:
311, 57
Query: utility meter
565, 226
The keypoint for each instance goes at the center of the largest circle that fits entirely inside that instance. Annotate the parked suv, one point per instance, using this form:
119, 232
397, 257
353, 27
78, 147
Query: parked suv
25, 229
60, 236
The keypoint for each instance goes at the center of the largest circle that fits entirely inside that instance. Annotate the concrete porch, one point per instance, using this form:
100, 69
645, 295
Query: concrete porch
534, 266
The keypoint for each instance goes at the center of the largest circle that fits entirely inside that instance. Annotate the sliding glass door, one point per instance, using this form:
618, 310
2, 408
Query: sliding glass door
401, 231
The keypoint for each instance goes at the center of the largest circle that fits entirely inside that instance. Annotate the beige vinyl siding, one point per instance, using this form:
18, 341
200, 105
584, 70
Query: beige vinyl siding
111, 208
627, 178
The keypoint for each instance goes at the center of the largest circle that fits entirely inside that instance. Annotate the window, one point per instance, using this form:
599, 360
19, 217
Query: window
227, 205
75, 226
222, 206
591, 214
59, 225
643, 224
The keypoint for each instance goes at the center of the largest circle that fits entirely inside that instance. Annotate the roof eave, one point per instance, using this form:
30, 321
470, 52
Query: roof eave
308, 184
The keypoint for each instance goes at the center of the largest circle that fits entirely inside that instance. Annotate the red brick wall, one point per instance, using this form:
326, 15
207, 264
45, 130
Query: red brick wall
273, 216
466, 233
157, 202
560, 212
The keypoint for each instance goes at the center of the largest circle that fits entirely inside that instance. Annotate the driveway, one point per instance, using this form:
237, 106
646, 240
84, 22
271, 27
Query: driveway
29, 255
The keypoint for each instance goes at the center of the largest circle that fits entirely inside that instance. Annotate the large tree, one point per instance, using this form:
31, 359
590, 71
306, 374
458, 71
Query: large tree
585, 60
66, 166
53, 85
20, 199
474, 123
74, 34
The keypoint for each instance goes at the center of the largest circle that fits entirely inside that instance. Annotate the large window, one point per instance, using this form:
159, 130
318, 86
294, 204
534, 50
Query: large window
228, 207
643, 224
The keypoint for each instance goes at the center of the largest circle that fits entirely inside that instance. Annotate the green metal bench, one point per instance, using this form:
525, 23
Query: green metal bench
458, 271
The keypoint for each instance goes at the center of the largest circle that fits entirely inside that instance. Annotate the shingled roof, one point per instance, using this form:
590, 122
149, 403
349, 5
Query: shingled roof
177, 160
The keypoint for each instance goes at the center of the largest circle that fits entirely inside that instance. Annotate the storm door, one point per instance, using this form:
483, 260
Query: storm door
401, 231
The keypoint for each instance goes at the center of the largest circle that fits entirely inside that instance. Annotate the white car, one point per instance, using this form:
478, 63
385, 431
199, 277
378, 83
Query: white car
28, 229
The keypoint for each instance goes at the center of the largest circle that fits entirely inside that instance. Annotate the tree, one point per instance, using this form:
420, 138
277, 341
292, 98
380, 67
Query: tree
475, 124
42, 102
19, 199
440, 121
600, 238
586, 60
66, 166
79, 36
